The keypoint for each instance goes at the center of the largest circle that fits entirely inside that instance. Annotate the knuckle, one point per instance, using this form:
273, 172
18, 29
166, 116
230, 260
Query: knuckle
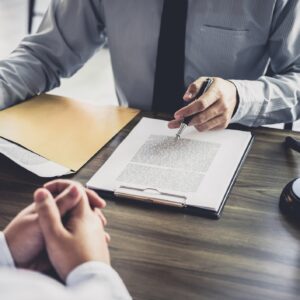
223, 119
218, 93
214, 112
224, 106
200, 105
201, 127
223, 122
197, 120
200, 119
187, 112
217, 80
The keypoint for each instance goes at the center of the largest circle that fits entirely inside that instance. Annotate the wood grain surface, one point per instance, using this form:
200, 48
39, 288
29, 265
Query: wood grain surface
252, 252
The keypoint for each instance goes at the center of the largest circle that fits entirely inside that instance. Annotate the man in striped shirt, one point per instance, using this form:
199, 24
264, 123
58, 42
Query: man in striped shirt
250, 47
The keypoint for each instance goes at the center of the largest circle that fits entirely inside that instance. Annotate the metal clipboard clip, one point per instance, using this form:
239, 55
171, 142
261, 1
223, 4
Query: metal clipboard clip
150, 195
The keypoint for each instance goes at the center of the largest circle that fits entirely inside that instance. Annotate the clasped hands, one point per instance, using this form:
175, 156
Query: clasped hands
63, 228
213, 110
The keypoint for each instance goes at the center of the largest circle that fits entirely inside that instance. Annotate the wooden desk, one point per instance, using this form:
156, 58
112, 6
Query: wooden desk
252, 252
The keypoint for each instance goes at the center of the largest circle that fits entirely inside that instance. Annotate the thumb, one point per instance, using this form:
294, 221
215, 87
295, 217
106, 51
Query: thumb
48, 215
191, 92
195, 88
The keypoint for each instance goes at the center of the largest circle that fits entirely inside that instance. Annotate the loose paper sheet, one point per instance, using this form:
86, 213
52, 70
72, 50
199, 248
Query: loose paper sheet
32, 162
199, 166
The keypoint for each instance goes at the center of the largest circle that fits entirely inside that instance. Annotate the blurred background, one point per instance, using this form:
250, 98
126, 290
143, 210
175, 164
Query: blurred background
93, 83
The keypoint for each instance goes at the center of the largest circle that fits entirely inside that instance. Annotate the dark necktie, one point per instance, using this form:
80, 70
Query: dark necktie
169, 74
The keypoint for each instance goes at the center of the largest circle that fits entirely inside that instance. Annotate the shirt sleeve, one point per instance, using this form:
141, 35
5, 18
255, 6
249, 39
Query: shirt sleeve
70, 33
6, 259
84, 276
92, 280
274, 99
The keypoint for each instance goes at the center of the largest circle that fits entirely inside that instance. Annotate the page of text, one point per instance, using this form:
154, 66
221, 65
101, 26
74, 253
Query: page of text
163, 162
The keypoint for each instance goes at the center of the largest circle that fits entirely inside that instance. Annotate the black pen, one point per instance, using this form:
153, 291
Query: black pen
185, 122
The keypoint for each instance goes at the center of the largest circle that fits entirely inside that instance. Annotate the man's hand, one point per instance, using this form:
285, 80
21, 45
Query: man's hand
24, 236
214, 109
80, 239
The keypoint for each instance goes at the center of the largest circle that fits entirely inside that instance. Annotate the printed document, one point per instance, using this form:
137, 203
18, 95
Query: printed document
162, 160
198, 166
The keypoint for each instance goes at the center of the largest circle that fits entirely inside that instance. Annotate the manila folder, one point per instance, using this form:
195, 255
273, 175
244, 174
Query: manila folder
62, 130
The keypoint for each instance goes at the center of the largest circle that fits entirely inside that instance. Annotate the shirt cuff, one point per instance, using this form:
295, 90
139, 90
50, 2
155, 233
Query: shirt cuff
250, 102
101, 272
6, 259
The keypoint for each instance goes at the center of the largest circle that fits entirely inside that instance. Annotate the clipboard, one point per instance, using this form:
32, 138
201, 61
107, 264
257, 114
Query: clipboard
155, 197
137, 197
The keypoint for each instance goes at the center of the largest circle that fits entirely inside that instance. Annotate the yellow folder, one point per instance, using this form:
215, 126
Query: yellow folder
62, 130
